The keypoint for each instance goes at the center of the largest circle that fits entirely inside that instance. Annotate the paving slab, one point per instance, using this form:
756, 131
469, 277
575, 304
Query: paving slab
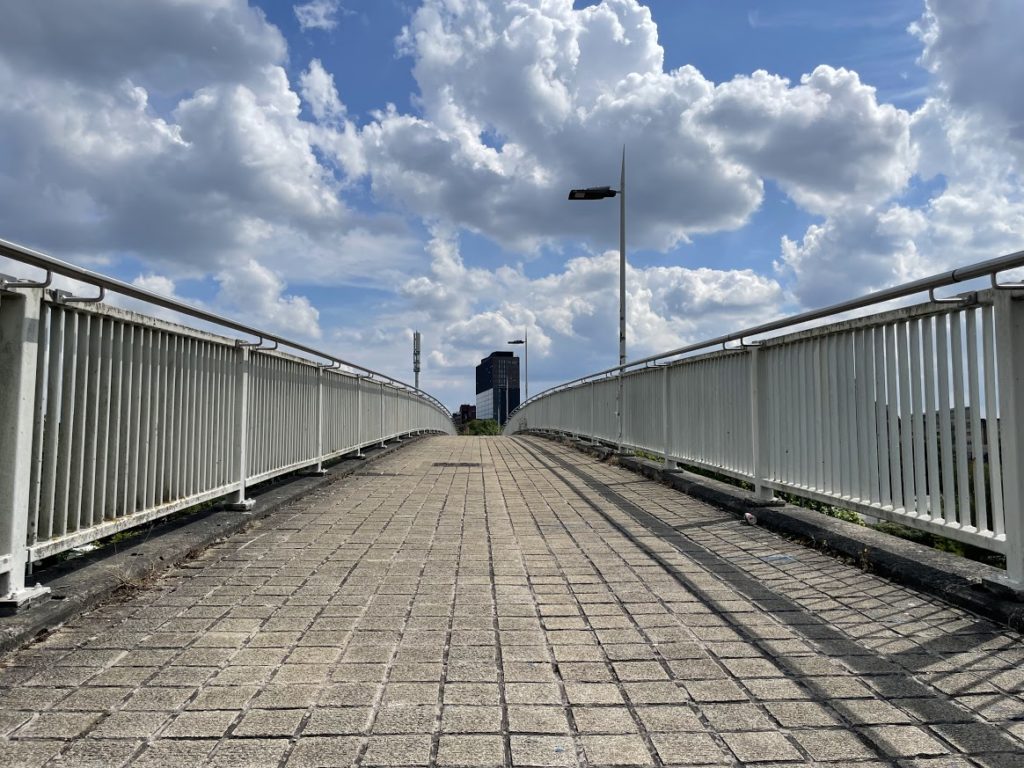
505, 602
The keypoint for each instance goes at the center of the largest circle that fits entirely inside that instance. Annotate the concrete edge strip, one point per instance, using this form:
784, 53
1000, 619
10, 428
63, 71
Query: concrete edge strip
93, 583
941, 574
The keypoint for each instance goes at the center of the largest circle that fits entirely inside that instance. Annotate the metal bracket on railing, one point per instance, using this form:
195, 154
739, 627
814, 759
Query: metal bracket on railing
743, 345
1004, 286
256, 346
332, 366
7, 282
971, 297
66, 297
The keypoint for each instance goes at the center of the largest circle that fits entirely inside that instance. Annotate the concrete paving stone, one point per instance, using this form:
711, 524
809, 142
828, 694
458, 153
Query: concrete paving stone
570, 653
243, 675
412, 693
11, 719
269, 722
533, 693
57, 725
397, 750
736, 717
760, 746
349, 694
310, 674
98, 753
248, 753
616, 750
543, 751
610, 720
405, 718
471, 719
178, 677
329, 721
669, 718
28, 754
580, 694
223, 697
479, 694
586, 672
325, 752
526, 671
629, 652
126, 725
356, 673
158, 699
694, 668
688, 749
537, 719
714, 691
832, 744
655, 693
92, 699
411, 672
628, 671
211, 724
976, 738
871, 712
475, 751
801, 714
904, 741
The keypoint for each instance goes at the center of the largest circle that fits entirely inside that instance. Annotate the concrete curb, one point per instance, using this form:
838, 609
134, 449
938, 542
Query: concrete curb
954, 579
84, 583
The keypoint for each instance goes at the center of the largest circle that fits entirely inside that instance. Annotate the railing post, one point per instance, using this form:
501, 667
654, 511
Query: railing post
319, 470
359, 417
241, 426
593, 405
19, 353
620, 407
382, 442
666, 417
1009, 322
758, 432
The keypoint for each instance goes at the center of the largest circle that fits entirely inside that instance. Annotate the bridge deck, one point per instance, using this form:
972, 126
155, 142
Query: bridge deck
490, 601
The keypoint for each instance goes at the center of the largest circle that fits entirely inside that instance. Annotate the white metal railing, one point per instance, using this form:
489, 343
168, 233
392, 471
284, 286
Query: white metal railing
110, 419
911, 415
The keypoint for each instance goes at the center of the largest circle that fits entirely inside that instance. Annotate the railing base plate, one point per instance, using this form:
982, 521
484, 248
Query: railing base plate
18, 601
1002, 586
245, 505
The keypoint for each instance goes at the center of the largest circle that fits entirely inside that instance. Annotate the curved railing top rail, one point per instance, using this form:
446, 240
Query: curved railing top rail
42, 261
991, 267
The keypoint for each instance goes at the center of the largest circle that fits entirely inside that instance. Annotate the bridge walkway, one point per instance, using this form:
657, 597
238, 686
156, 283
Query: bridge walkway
497, 602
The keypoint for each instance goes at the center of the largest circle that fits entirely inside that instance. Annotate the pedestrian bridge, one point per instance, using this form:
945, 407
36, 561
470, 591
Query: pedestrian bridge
497, 601
510, 601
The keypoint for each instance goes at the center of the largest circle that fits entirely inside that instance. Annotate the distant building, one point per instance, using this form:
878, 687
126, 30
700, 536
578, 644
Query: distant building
497, 386
465, 414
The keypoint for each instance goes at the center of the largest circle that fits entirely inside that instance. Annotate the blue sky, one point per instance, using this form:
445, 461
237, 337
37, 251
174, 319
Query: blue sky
347, 171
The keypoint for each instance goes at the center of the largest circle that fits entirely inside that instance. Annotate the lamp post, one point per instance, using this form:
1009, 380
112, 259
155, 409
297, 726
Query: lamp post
525, 341
600, 193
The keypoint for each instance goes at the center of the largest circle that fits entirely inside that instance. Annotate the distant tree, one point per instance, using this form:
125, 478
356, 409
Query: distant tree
481, 427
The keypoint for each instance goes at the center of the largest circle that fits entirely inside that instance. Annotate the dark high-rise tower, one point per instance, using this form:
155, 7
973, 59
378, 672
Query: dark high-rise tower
497, 386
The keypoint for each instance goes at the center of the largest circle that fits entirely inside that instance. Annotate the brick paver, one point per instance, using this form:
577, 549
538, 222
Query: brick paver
496, 602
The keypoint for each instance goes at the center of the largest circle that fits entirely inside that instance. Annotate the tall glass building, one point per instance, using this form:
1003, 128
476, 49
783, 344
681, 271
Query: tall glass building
497, 386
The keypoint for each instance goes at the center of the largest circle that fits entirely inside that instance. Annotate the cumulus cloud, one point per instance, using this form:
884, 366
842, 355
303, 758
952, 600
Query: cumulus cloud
521, 101
974, 50
827, 141
966, 141
317, 14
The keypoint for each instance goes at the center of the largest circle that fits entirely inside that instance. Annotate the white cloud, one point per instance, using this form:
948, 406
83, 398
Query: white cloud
319, 92
521, 101
827, 141
317, 14
974, 51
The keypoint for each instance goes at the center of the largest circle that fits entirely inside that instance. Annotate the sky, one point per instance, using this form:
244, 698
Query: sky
344, 172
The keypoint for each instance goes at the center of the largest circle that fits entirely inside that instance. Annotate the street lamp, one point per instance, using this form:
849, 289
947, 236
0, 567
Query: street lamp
600, 193
526, 361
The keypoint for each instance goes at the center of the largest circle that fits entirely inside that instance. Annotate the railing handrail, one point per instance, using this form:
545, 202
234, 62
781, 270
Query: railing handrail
40, 260
980, 269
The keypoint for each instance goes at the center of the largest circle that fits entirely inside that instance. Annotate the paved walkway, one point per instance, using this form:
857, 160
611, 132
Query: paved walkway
496, 602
